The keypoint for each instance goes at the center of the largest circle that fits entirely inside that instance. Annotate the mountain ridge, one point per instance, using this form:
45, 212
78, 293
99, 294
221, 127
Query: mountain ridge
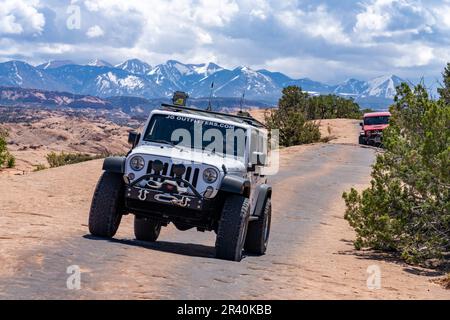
135, 77
23, 97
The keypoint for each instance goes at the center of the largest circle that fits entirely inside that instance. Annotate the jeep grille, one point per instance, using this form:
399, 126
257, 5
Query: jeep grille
190, 176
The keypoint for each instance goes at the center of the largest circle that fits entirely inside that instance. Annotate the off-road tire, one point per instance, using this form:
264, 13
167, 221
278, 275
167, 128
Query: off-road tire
258, 232
107, 205
232, 229
362, 140
146, 229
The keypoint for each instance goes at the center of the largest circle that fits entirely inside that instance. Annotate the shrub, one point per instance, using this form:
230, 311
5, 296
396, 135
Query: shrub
56, 160
290, 119
11, 161
3, 149
5, 156
407, 207
39, 167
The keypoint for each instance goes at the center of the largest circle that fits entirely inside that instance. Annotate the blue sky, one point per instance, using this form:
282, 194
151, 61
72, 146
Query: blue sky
324, 40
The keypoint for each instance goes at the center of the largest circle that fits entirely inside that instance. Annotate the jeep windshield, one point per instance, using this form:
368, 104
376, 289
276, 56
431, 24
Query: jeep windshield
206, 135
370, 121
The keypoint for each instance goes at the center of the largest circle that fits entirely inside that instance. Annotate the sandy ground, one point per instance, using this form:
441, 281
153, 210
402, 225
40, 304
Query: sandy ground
41, 132
43, 231
344, 131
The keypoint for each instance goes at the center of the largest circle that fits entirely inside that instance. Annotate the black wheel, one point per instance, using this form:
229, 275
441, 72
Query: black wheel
107, 206
146, 229
362, 140
258, 232
232, 228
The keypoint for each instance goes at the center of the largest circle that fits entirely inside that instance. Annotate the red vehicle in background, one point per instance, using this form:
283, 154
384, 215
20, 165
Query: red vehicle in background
372, 128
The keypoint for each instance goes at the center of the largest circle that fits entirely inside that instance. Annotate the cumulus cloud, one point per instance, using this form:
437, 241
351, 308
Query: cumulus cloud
318, 22
20, 17
390, 18
95, 32
327, 41
215, 13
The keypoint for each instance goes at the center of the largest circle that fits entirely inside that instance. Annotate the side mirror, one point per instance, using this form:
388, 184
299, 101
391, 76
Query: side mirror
133, 138
361, 124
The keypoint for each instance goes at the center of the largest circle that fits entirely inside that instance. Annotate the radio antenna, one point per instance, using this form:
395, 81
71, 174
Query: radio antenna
241, 103
209, 108
243, 94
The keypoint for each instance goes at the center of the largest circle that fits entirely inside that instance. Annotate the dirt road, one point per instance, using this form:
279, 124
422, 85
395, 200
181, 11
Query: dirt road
43, 231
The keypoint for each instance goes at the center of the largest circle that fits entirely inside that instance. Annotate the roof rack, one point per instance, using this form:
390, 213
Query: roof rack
249, 120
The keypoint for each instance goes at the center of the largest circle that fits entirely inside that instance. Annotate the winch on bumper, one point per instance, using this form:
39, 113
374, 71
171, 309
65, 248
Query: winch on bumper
166, 190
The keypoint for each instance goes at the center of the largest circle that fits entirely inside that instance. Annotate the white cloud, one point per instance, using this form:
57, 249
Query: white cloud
21, 17
215, 13
393, 18
373, 19
95, 32
204, 37
442, 14
318, 22
413, 55
358, 38
92, 6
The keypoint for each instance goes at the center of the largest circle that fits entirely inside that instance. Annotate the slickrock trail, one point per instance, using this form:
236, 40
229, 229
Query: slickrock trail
43, 231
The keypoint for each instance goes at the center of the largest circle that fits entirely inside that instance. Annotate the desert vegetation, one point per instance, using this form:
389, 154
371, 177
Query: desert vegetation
6, 158
406, 209
297, 112
65, 158
331, 107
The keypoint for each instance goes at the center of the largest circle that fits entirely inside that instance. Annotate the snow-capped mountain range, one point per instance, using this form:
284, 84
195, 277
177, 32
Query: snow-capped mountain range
137, 78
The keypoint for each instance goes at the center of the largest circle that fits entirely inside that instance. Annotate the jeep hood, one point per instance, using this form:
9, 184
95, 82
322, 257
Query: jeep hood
186, 154
375, 127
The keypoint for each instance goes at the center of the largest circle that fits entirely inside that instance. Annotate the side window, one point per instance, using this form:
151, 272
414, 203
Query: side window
263, 147
258, 147
253, 147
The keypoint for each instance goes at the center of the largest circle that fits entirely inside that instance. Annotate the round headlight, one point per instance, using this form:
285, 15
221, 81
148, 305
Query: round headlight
210, 175
179, 169
137, 163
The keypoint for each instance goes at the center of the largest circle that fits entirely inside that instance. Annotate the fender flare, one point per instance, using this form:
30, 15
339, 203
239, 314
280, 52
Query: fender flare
114, 164
264, 192
236, 185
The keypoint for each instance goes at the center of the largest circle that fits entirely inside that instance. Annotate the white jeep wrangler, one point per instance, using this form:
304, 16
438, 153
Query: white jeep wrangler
193, 168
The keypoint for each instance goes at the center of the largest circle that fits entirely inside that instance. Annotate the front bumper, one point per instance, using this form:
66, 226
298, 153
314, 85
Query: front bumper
375, 138
176, 200
155, 194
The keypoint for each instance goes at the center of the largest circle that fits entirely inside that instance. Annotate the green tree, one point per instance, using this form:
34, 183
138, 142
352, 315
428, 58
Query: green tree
331, 107
320, 107
407, 207
293, 97
290, 119
444, 92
